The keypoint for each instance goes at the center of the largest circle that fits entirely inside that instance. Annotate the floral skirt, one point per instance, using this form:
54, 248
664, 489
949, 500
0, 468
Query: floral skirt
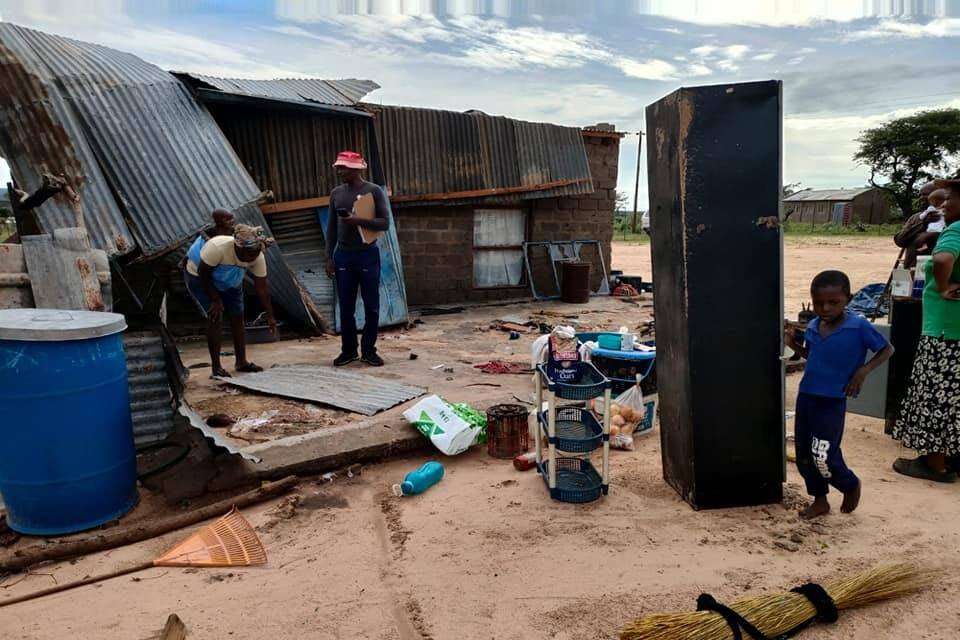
929, 420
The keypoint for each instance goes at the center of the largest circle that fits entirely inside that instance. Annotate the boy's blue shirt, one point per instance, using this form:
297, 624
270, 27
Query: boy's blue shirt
833, 360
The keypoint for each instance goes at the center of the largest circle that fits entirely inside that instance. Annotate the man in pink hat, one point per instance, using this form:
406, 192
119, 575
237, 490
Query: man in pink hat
355, 264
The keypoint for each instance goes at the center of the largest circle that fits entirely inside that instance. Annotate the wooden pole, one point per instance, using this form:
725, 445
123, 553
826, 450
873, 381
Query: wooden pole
636, 184
77, 583
35, 554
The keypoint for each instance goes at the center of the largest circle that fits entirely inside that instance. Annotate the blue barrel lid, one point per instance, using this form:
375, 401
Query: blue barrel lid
56, 325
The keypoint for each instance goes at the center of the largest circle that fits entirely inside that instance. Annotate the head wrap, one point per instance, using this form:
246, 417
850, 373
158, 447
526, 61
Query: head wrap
248, 237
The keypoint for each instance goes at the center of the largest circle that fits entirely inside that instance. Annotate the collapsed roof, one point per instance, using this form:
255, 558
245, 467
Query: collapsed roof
145, 160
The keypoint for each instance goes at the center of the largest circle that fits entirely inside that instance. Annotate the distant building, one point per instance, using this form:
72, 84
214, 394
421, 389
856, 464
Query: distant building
838, 206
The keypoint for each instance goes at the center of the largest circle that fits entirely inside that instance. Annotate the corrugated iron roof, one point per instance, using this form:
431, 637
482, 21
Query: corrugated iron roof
163, 156
343, 93
151, 401
827, 195
40, 132
291, 154
428, 151
344, 389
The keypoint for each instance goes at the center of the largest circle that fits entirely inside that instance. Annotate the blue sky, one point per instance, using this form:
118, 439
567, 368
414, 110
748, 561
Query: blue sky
846, 65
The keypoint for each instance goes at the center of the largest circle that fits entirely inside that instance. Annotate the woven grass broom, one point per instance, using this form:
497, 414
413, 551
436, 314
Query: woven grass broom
776, 614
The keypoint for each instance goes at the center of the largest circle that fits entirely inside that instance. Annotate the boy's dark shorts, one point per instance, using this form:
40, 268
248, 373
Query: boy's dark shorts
232, 298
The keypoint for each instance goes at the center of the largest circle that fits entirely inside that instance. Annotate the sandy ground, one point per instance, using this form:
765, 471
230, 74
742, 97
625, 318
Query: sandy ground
864, 259
487, 554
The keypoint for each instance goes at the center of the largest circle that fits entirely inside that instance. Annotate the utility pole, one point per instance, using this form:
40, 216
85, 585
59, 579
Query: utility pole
636, 184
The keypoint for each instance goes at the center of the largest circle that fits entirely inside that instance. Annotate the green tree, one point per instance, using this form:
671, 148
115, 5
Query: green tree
905, 153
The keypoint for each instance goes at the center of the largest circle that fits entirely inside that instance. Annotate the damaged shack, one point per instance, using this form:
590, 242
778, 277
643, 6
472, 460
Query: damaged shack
147, 155
467, 189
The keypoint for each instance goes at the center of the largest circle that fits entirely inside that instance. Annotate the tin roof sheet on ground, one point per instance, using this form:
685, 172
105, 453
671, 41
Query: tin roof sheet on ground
344, 93
827, 195
335, 387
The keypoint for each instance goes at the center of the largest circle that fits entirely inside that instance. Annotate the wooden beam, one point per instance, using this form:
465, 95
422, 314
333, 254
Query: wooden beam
310, 203
485, 193
294, 205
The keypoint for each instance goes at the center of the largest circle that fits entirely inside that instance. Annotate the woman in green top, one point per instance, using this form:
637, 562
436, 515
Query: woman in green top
929, 420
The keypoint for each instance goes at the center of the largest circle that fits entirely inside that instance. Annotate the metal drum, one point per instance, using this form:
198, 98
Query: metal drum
67, 460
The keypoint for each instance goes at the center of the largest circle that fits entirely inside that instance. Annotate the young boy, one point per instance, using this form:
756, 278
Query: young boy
836, 345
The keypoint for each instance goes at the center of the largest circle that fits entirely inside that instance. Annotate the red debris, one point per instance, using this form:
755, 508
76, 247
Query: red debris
625, 290
501, 366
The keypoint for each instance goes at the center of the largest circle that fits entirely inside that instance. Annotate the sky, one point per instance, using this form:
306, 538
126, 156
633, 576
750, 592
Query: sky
845, 65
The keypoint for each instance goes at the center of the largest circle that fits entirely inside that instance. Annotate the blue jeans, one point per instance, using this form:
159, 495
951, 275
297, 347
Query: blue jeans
232, 298
358, 270
818, 430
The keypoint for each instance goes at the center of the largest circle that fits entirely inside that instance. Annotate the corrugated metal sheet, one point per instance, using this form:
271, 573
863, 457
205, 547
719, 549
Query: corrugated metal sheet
151, 401
197, 422
161, 152
333, 92
325, 385
301, 239
289, 153
427, 151
41, 133
827, 195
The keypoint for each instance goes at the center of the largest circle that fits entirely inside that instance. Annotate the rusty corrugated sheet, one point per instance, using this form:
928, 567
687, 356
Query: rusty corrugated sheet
151, 402
289, 153
428, 151
354, 392
301, 239
163, 156
40, 132
333, 92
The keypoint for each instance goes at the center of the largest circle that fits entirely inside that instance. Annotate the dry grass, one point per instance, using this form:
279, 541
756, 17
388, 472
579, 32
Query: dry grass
777, 613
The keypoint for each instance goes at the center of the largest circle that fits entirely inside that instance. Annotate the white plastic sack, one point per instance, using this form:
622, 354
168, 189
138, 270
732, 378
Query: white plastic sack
435, 419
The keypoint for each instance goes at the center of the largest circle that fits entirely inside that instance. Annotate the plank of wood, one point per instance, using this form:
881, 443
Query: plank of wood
76, 254
483, 193
54, 286
294, 205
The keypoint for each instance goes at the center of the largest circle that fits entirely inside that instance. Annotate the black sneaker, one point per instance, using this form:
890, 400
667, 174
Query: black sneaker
344, 358
373, 360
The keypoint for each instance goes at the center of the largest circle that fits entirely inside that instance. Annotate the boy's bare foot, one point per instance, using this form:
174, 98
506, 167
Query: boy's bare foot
820, 507
850, 500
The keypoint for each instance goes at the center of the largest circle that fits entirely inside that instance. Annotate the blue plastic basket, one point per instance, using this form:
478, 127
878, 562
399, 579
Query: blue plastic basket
590, 384
578, 430
577, 480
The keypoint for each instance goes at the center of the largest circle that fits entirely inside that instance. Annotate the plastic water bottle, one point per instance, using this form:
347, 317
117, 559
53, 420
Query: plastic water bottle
419, 480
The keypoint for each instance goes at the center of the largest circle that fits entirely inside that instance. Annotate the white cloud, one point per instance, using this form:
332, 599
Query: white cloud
806, 50
703, 50
764, 57
652, 69
796, 60
939, 28
818, 149
695, 70
728, 65
736, 51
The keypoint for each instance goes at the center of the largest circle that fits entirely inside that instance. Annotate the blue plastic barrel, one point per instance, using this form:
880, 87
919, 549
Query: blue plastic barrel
67, 461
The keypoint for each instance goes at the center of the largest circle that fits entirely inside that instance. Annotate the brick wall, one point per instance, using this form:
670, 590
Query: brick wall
585, 217
436, 242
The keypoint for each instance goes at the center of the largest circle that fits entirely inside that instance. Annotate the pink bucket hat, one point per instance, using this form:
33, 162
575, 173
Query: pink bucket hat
351, 160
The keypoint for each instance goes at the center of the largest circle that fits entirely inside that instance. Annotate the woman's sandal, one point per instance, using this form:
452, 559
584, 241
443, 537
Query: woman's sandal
917, 468
249, 367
